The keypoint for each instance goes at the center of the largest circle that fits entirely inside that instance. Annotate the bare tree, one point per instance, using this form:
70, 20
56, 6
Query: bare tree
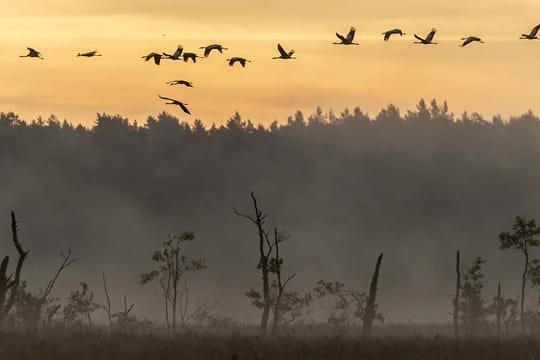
107, 306
66, 262
371, 312
265, 250
9, 284
456, 297
524, 235
172, 266
31, 307
287, 305
276, 265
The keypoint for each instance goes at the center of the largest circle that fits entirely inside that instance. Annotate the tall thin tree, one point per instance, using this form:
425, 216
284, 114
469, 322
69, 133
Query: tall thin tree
172, 265
276, 267
498, 303
523, 236
107, 306
456, 297
371, 307
265, 250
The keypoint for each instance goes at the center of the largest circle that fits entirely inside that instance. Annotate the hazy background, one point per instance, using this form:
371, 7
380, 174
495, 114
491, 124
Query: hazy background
373, 74
415, 186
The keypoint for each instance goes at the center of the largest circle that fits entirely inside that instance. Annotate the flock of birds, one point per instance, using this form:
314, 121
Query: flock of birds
180, 54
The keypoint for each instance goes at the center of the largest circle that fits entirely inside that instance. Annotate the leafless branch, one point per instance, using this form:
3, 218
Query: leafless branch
288, 279
67, 261
245, 216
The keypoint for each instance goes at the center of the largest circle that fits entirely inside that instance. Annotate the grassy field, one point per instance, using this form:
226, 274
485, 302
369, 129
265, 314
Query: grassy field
90, 346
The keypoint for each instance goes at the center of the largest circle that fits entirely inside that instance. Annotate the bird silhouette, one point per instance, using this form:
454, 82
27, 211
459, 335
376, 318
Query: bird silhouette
190, 56
157, 57
89, 54
208, 49
239, 60
389, 33
176, 55
429, 38
177, 103
533, 35
32, 53
284, 54
180, 82
470, 39
347, 40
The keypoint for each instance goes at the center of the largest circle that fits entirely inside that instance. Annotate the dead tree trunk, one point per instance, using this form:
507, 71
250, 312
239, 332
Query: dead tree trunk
9, 283
281, 285
108, 306
175, 277
265, 249
456, 298
370, 312
498, 310
523, 284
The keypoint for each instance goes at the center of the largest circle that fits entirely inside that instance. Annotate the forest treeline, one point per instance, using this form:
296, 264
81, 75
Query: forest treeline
428, 146
415, 185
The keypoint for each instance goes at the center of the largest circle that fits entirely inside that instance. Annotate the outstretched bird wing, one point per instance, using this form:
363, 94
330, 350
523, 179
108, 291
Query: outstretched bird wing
467, 41
387, 35
149, 56
186, 83
166, 98
350, 35
178, 52
188, 55
535, 30
236, 59
281, 50
207, 51
176, 102
431, 35
183, 107
341, 37
419, 38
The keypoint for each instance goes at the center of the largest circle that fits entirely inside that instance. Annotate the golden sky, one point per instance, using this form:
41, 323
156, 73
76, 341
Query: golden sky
496, 77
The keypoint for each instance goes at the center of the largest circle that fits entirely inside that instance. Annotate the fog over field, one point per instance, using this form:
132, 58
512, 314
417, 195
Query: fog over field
415, 186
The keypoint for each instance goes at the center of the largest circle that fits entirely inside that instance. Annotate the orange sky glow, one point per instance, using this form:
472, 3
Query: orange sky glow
496, 77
